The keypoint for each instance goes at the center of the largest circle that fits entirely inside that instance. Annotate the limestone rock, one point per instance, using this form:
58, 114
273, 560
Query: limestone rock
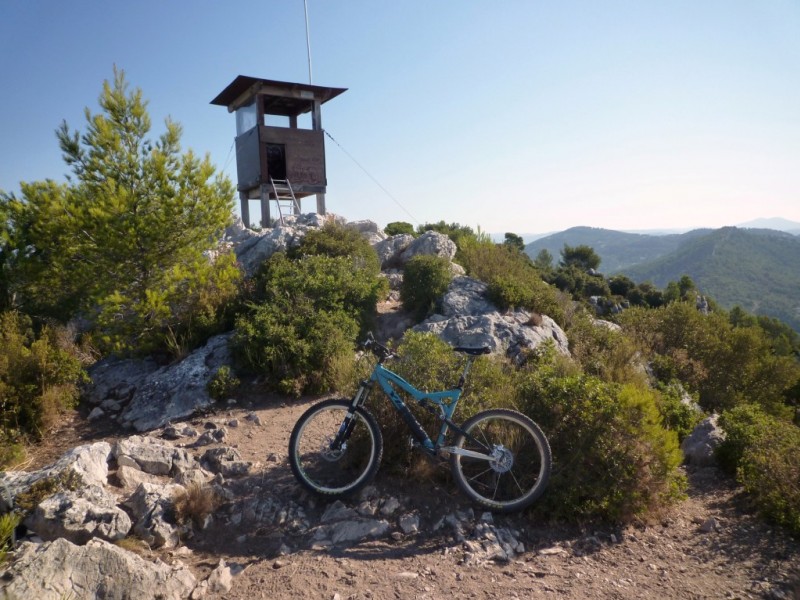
431, 243
154, 457
390, 249
88, 463
151, 505
73, 516
176, 391
700, 445
59, 569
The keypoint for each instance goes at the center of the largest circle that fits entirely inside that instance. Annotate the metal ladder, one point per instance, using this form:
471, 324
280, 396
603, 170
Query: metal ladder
284, 198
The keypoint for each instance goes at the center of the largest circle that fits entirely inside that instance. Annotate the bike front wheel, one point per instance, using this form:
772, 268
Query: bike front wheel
335, 469
516, 462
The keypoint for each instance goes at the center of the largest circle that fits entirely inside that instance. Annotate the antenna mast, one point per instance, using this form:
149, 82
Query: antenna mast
308, 43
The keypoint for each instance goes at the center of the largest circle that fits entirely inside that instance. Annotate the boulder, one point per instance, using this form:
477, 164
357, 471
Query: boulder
369, 230
431, 243
390, 249
79, 516
226, 461
176, 391
152, 508
117, 380
466, 296
88, 464
700, 446
152, 456
256, 250
468, 318
60, 569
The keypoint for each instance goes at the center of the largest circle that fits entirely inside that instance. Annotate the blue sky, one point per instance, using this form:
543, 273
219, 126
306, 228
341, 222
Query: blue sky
521, 116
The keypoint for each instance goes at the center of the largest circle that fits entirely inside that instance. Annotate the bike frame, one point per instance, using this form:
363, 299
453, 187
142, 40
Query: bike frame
446, 401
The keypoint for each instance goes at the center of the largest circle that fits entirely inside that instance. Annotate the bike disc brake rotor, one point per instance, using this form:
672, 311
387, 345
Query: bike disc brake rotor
502, 459
329, 454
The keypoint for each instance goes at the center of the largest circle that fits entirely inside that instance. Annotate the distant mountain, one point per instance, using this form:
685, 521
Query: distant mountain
617, 249
776, 223
757, 269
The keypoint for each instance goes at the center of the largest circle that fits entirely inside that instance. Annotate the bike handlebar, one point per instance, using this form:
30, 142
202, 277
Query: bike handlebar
379, 350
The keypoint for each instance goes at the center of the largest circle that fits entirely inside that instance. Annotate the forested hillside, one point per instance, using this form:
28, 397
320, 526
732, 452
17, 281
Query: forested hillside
617, 249
756, 269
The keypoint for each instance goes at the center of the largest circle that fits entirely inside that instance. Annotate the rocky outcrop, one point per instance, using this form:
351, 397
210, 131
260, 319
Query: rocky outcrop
151, 506
468, 318
431, 243
60, 569
80, 516
148, 396
84, 466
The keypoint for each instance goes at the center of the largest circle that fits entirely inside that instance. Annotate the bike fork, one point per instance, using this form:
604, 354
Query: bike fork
346, 428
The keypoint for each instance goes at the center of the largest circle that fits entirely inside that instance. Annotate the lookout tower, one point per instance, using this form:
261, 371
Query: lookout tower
277, 160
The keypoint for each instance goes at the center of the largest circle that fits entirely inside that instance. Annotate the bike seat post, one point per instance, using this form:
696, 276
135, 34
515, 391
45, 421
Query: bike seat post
467, 366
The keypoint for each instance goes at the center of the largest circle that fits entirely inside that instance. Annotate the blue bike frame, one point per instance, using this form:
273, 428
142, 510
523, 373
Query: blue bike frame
445, 401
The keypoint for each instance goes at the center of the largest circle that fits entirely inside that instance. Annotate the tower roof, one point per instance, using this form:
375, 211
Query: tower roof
280, 97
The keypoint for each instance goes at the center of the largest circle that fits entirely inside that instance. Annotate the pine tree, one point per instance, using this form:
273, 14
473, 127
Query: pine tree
123, 241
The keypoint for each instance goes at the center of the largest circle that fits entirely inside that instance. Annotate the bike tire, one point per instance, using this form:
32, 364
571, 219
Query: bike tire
519, 476
334, 474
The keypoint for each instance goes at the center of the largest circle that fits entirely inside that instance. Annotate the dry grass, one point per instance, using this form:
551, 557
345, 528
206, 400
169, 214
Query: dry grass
195, 504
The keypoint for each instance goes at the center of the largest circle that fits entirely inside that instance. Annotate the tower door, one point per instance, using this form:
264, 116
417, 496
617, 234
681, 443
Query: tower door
276, 161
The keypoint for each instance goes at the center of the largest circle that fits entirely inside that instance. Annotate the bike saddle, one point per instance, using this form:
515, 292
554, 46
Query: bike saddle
473, 351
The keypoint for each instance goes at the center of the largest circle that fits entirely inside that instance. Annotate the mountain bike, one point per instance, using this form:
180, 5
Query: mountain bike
499, 458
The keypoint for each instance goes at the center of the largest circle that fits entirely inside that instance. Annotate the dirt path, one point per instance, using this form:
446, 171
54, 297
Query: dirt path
706, 547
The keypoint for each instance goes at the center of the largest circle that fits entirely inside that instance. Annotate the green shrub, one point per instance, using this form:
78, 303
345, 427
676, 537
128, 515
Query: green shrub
725, 365
182, 313
602, 351
512, 279
612, 457
425, 280
223, 384
765, 453
742, 425
39, 377
398, 228
8, 523
302, 330
337, 240
679, 416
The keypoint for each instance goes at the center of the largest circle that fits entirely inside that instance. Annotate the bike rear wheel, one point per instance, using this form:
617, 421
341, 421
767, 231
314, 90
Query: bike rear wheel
519, 469
327, 470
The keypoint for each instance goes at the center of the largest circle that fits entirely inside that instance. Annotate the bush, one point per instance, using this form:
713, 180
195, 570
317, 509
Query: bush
223, 384
677, 414
725, 365
613, 459
398, 228
512, 279
425, 280
337, 240
39, 377
765, 452
302, 330
603, 352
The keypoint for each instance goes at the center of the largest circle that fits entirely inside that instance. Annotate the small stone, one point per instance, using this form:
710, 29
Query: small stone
390, 506
97, 413
280, 563
233, 423
709, 525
